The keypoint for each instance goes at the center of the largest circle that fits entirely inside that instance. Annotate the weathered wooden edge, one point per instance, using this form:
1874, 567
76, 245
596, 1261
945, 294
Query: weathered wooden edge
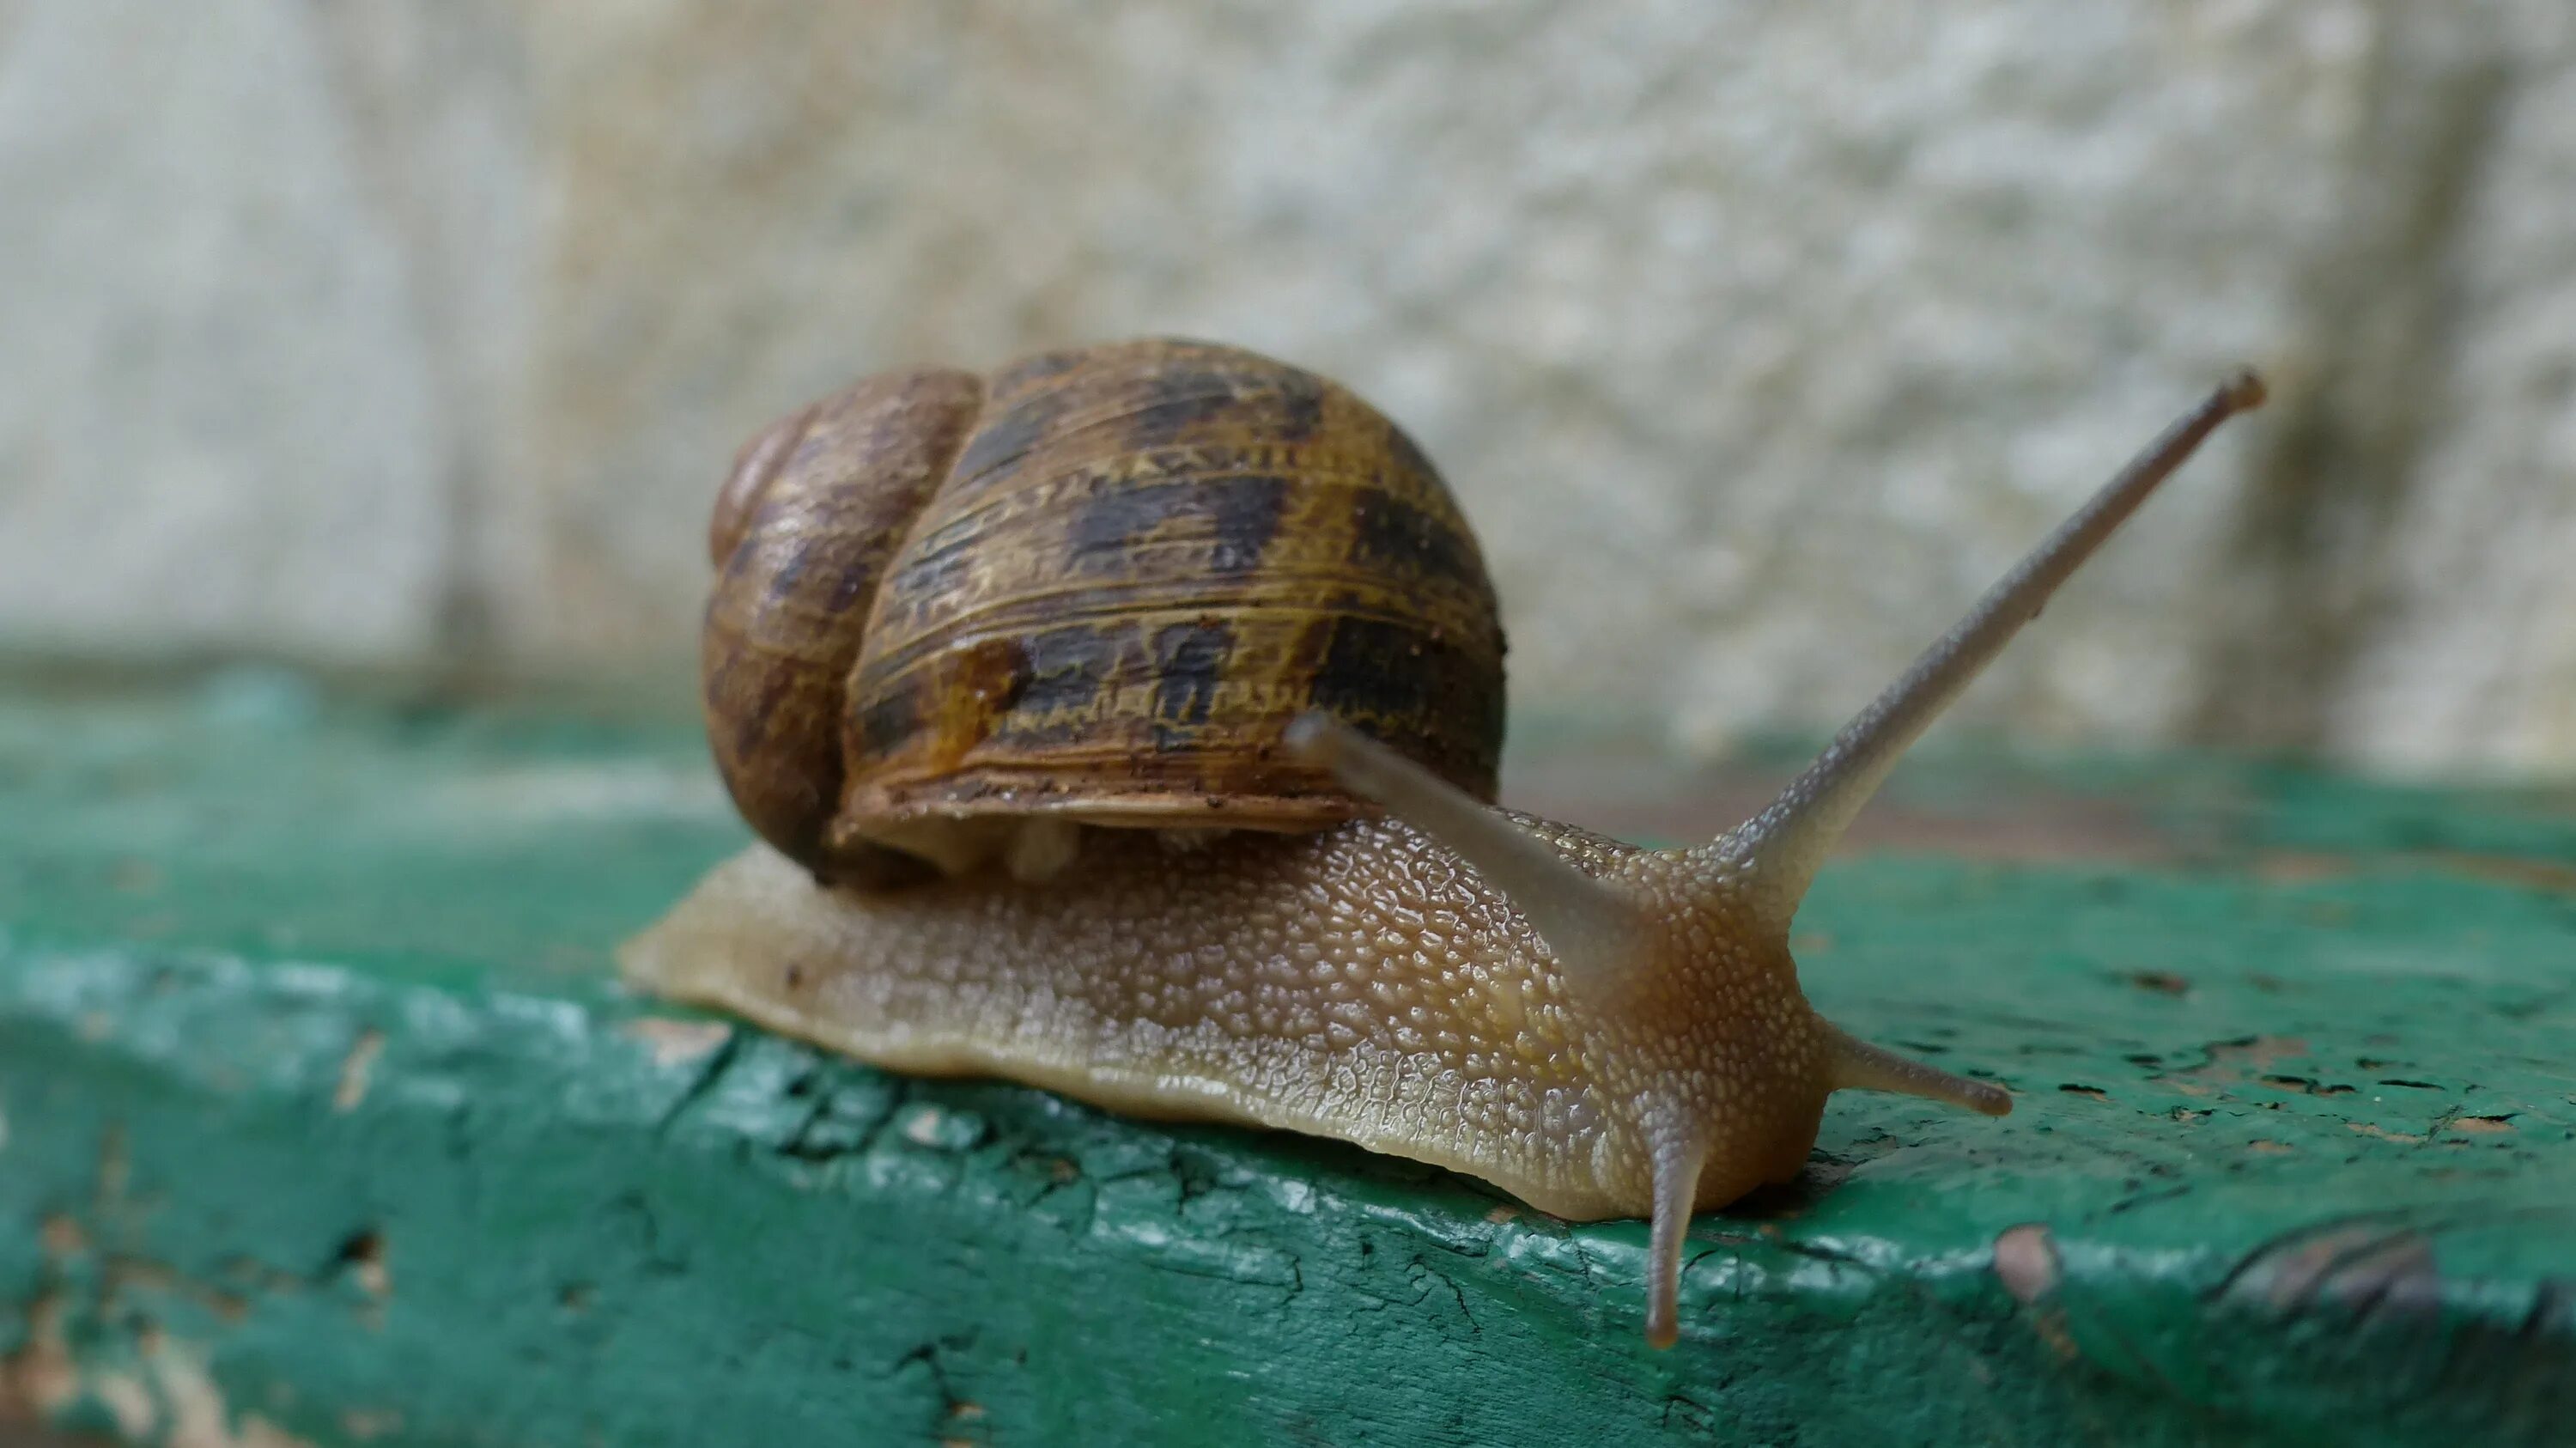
260, 1204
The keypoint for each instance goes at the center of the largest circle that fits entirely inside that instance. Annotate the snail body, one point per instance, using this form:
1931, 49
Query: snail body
1354, 982
1598, 1029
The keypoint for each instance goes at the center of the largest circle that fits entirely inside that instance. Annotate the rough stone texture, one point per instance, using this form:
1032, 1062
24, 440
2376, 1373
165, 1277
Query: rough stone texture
215, 424
426, 328
2471, 652
323, 1122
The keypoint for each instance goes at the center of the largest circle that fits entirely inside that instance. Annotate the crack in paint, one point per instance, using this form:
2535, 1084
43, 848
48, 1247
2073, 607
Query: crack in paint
709, 1071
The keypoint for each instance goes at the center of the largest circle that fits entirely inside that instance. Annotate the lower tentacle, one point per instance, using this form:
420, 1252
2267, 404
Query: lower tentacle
1860, 1066
1678, 1157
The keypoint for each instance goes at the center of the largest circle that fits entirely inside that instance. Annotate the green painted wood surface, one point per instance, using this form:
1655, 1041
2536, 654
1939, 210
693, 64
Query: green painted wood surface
322, 1120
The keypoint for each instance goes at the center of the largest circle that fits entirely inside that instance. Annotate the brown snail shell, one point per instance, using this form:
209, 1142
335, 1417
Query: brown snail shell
1094, 587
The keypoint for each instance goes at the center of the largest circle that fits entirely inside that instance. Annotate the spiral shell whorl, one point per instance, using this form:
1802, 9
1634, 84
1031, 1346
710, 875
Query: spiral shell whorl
801, 534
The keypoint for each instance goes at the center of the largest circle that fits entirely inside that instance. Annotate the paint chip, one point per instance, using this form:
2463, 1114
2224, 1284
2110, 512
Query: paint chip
2351, 1262
944, 1130
2026, 1261
127, 1401
61, 1237
40, 1373
199, 1416
355, 1069
2484, 1124
677, 1042
364, 1255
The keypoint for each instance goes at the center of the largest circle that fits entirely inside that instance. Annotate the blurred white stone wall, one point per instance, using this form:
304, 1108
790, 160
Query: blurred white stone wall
1755, 337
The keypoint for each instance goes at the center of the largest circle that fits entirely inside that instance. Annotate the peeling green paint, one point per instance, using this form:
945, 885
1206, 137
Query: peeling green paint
320, 1113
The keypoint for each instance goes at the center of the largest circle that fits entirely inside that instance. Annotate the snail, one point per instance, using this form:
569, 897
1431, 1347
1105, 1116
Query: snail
1325, 925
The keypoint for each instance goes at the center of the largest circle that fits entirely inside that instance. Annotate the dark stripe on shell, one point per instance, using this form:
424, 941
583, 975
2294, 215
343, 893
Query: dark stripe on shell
1003, 441
1068, 668
1189, 663
1243, 511
1390, 533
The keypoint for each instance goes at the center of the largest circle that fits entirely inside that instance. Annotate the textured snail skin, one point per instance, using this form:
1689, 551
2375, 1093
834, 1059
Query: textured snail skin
1597, 1029
1360, 982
